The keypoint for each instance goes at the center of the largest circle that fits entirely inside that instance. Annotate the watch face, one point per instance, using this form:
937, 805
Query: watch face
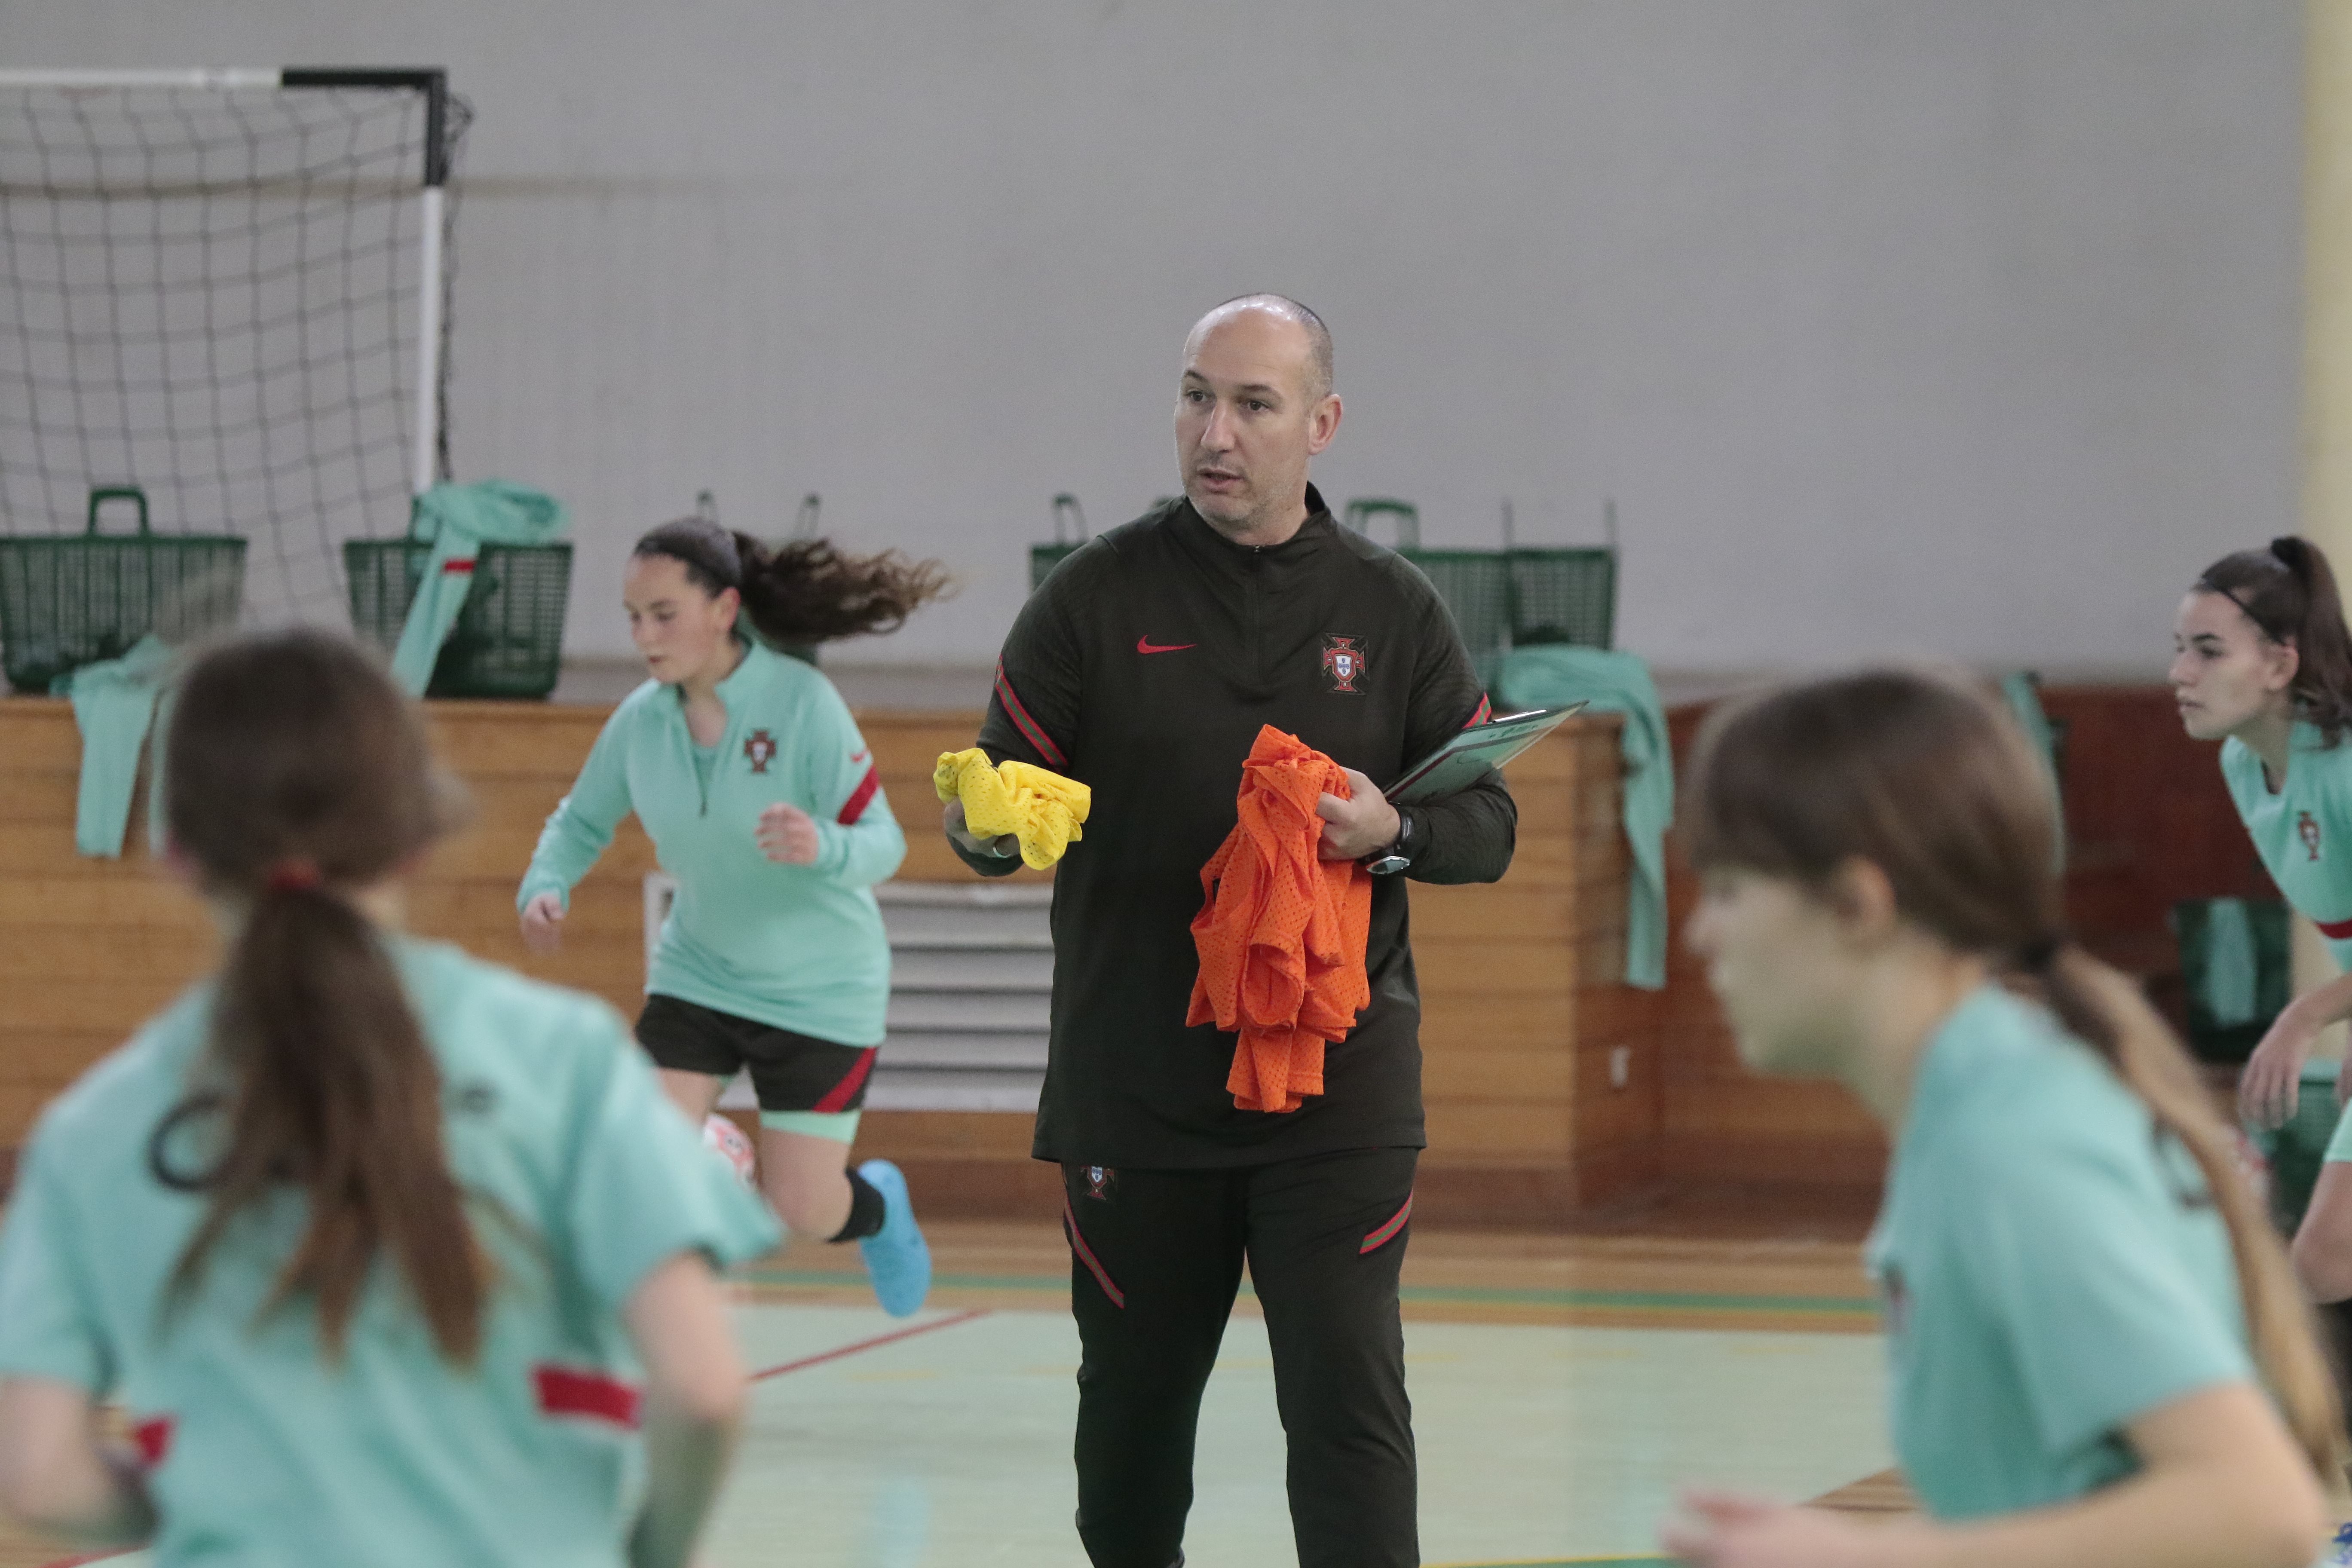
1387, 865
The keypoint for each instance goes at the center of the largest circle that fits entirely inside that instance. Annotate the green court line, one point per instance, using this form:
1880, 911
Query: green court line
1648, 1300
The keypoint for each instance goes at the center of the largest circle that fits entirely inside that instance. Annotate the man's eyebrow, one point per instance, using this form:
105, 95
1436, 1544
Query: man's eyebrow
1256, 388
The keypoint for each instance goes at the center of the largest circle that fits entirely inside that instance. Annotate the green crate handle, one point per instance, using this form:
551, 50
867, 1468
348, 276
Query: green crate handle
1406, 516
105, 493
1067, 515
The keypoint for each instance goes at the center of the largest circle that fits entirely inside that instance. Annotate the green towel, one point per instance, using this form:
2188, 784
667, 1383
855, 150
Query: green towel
458, 520
1556, 674
2232, 964
2022, 692
113, 707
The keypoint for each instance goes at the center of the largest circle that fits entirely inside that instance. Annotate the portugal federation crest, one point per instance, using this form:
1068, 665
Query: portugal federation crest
761, 748
1343, 664
2307, 827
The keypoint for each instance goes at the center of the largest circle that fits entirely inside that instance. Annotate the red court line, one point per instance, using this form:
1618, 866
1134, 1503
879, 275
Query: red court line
876, 1343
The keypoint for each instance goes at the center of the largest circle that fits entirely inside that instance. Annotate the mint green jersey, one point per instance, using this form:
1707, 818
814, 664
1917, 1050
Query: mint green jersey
2303, 831
263, 1454
2049, 1269
799, 947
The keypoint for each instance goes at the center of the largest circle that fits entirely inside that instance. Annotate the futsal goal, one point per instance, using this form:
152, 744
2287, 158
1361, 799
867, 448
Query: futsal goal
228, 288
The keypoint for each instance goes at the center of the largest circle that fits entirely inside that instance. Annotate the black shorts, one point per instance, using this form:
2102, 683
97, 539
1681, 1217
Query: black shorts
789, 1072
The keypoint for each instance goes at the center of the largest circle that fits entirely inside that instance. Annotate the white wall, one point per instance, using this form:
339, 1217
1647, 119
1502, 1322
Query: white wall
1891, 324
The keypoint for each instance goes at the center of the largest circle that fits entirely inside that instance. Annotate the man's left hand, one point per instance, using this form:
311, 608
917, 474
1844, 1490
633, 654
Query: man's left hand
1354, 827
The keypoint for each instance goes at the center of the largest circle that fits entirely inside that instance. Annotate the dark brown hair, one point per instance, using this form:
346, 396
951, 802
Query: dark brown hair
804, 591
1927, 778
295, 771
2289, 593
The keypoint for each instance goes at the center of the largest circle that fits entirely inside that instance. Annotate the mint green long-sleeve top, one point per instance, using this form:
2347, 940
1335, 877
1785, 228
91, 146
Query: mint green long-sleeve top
798, 947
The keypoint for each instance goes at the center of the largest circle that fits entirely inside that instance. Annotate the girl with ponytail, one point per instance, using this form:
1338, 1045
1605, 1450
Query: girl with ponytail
361, 1232
750, 777
2099, 1355
2262, 662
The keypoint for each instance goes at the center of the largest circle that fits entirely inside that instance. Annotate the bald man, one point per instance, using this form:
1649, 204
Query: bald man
1145, 667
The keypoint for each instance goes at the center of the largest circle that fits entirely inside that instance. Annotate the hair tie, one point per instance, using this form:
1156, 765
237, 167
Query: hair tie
2037, 956
2207, 586
295, 875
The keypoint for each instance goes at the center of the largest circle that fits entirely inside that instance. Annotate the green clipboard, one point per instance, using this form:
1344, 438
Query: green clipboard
1456, 764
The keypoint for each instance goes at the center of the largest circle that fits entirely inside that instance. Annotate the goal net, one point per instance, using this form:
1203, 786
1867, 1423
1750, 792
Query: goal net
227, 288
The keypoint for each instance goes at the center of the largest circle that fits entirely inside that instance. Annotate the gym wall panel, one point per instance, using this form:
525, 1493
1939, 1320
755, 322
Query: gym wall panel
1962, 328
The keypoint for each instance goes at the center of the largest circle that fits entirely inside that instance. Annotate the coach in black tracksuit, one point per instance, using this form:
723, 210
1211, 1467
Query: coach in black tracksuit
1145, 667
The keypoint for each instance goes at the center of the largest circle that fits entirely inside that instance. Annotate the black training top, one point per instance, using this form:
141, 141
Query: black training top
1144, 667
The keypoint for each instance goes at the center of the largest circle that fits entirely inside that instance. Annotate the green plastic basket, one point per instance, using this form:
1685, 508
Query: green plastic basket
509, 637
1563, 597
1474, 585
1069, 532
67, 601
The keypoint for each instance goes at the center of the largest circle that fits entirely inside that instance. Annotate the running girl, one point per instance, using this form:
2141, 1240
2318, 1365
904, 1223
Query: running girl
360, 1232
2099, 1355
762, 800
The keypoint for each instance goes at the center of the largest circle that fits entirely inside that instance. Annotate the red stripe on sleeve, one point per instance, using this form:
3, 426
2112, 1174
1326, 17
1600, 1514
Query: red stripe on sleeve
153, 1439
1485, 711
836, 1098
1030, 728
568, 1391
2336, 930
860, 798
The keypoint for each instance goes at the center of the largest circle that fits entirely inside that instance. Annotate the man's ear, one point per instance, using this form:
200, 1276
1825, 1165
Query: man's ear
1323, 424
1862, 896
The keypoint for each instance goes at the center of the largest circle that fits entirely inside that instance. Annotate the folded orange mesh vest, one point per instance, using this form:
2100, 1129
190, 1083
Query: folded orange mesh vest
1281, 933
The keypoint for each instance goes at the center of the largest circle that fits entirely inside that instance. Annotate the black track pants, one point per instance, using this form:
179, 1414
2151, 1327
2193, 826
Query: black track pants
1155, 1259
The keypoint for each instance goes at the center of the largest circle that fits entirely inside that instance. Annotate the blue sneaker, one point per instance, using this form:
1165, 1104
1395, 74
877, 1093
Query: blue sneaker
898, 1258
2341, 1551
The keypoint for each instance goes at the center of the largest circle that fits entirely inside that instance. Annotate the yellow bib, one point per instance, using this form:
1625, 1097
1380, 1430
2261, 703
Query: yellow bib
1040, 808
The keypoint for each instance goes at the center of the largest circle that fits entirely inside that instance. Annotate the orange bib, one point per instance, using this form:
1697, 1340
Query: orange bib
1281, 933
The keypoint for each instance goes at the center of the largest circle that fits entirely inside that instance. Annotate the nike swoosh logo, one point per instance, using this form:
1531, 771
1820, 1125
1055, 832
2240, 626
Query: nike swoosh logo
1145, 645
857, 756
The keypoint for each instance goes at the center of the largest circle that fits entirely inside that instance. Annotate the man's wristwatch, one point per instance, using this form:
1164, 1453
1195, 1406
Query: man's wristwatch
1396, 857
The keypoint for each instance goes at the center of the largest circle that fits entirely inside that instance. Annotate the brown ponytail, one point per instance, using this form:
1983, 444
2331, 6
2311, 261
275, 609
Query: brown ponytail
2112, 1015
1928, 779
296, 773
2288, 591
804, 591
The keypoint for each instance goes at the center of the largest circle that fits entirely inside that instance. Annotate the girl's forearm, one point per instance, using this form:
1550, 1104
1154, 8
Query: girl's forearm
2243, 1521
2330, 1003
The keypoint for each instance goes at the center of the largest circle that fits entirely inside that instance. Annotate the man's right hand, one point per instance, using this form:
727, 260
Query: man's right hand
543, 924
1003, 847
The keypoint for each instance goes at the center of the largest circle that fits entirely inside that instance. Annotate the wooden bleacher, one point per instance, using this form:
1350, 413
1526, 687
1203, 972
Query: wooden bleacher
1522, 1007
